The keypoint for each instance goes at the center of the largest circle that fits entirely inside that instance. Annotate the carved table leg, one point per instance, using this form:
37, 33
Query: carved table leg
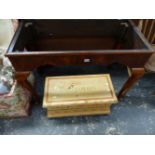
22, 80
135, 74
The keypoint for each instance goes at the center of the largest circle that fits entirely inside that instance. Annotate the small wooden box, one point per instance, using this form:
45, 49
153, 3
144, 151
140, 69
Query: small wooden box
78, 95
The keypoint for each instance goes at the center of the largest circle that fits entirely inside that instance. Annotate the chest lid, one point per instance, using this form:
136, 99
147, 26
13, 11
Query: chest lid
78, 90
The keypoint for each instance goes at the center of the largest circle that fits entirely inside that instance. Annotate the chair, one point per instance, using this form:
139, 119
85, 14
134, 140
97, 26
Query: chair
147, 26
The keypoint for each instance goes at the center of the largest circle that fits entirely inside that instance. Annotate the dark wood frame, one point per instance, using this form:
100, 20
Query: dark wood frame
26, 62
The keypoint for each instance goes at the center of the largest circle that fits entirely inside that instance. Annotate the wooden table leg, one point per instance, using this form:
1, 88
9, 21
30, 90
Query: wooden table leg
135, 75
21, 78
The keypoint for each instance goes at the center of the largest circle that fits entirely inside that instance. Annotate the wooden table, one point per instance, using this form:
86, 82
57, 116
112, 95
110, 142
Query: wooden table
78, 42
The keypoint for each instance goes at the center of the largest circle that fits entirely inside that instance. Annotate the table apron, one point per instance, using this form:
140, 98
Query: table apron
31, 62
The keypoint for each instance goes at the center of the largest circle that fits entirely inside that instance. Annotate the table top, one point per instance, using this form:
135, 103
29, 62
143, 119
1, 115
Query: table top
77, 42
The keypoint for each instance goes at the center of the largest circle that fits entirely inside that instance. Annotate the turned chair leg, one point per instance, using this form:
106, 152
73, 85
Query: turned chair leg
134, 75
22, 80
